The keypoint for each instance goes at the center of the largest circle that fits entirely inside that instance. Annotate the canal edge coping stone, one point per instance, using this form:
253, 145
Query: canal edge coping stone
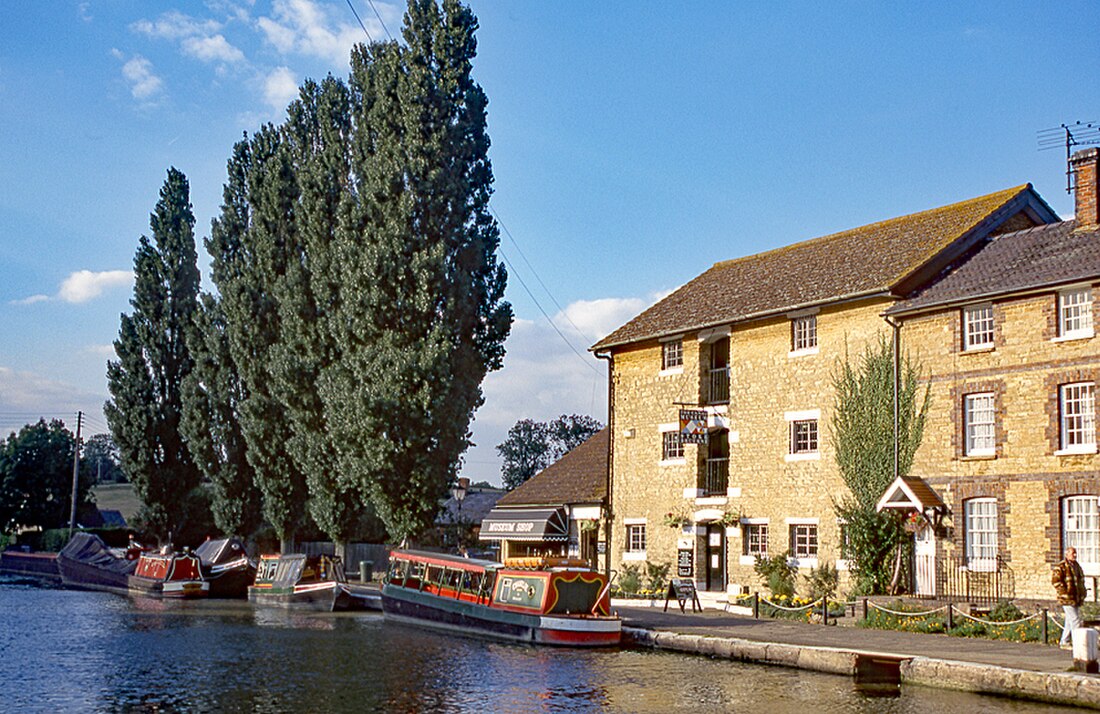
1053, 687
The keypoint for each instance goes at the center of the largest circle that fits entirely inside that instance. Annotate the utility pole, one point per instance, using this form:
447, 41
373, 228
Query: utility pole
76, 473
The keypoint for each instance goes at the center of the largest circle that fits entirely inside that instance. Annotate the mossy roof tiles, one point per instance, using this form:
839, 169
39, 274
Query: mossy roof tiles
863, 261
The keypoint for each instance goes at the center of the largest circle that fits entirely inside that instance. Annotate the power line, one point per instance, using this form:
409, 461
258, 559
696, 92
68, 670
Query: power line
380, 21
353, 12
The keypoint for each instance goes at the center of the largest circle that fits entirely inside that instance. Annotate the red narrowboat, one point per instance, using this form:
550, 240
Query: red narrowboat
174, 575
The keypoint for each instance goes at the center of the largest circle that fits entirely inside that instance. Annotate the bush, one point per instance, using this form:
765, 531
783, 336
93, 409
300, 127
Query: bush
778, 574
1006, 611
630, 581
822, 581
656, 576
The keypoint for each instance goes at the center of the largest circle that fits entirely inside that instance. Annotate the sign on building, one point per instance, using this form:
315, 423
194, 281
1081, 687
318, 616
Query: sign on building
693, 426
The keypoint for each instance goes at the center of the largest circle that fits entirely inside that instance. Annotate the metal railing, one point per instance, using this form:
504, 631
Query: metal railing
961, 578
719, 386
717, 477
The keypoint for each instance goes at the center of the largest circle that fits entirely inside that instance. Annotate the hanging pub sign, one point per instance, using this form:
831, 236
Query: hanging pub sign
693, 426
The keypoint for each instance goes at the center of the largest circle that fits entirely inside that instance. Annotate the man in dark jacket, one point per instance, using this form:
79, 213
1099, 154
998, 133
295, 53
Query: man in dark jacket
1069, 582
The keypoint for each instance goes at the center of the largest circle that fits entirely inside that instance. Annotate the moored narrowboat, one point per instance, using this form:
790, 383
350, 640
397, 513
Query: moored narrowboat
549, 601
168, 575
225, 565
310, 582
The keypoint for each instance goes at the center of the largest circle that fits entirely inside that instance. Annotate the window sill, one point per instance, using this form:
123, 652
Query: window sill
1076, 451
979, 350
747, 560
672, 462
634, 555
670, 372
803, 353
1073, 336
804, 562
978, 457
813, 456
842, 565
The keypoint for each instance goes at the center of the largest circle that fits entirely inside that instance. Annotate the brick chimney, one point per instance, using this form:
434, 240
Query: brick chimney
1084, 167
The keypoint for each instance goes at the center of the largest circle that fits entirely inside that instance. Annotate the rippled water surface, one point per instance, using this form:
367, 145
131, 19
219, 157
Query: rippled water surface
79, 651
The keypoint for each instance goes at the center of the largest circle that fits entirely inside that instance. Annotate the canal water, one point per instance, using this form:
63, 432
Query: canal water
69, 651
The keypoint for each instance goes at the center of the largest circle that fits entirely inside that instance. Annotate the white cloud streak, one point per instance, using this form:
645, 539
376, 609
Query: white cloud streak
280, 87
305, 27
138, 73
200, 39
85, 285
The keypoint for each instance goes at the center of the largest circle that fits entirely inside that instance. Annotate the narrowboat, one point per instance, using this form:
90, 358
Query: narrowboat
225, 565
556, 601
86, 563
309, 582
168, 575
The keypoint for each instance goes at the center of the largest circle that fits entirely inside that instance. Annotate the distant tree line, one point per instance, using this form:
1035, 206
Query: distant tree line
533, 445
358, 306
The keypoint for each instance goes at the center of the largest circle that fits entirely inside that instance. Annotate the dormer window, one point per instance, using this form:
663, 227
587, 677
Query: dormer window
978, 327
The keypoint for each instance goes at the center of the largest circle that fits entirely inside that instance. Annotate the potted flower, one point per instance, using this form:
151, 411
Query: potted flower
675, 520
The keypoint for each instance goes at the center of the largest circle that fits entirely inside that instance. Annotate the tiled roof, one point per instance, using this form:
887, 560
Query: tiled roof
861, 261
473, 509
578, 477
1039, 257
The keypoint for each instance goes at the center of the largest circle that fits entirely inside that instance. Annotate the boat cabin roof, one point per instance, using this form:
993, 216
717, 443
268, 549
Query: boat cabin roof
445, 559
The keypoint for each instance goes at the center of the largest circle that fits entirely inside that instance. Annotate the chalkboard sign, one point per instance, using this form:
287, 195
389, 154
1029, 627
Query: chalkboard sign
683, 589
685, 563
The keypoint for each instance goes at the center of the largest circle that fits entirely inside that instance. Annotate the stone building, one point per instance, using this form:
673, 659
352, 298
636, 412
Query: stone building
754, 344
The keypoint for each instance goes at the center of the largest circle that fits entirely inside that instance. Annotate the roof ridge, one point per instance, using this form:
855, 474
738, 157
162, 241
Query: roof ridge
897, 219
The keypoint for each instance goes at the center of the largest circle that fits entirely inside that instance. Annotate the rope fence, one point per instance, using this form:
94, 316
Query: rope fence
907, 614
809, 606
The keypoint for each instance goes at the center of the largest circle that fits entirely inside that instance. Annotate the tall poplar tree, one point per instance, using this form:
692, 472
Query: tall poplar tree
423, 318
251, 244
212, 396
153, 359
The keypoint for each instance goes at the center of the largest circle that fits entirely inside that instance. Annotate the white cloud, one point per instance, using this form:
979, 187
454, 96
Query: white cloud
85, 285
107, 350
212, 49
30, 300
305, 27
280, 87
24, 392
543, 377
138, 72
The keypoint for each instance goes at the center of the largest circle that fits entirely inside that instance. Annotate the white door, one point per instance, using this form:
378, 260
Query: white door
924, 553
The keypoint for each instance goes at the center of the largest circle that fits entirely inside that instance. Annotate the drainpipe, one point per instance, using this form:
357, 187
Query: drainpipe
897, 388
610, 456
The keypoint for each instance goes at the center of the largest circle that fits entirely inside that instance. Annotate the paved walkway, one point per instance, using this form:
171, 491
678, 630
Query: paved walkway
1026, 656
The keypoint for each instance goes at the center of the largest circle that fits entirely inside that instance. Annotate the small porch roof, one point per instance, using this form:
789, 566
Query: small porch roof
911, 493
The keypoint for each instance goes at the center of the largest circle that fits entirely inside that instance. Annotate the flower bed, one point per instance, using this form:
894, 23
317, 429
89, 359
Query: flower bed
923, 621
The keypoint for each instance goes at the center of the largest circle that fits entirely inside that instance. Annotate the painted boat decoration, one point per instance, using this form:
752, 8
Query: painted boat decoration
86, 563
310, 582
557, 602
168, 575
225, 565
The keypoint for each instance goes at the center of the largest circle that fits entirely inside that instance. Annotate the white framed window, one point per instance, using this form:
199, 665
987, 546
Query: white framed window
803, 436
1081, 530
672, 355
1077, 416
981, 534
803, 540
635, 537
755, 540
1075, 313
978, 327
979, 415
672, 447
804, 333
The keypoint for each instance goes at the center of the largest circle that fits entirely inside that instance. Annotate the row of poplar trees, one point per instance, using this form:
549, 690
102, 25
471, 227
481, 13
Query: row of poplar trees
358, 305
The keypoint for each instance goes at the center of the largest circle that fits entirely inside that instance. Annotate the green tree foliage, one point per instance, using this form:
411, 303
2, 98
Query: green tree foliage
422, 317
101, 461
863, 432
532, 445
212, 395
251, 243
153, 358
36, 477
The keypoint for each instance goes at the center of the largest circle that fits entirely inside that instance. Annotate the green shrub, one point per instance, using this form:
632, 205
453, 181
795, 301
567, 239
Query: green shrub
778, 574
822, 581
630, 580
1005, 611
656, 576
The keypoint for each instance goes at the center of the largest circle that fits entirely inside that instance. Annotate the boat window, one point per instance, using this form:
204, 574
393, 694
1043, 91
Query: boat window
471, 582
452, 578
487, 583
435, 575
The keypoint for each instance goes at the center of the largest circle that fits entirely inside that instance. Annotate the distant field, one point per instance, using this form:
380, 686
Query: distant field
117, 497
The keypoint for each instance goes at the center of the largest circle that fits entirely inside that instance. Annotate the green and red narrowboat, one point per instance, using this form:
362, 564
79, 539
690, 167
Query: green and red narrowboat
310, 582
168, 575
557, 601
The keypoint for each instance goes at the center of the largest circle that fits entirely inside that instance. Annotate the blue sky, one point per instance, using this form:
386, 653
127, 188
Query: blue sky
634, 145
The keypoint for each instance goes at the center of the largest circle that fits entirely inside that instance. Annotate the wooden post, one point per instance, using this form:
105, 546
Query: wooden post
1043, 626
864, 608
950, 616
825, 609
756, 605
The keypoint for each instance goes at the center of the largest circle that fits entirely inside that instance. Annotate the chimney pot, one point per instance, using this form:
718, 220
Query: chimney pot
1084, 164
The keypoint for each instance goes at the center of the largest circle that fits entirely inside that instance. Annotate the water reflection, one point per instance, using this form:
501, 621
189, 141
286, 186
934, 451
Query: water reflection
75, 651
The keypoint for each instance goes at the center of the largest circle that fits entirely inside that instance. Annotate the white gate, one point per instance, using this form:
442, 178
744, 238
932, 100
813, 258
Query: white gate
924, 553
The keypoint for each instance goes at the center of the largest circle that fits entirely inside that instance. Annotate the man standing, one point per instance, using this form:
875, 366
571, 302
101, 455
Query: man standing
1069, 582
